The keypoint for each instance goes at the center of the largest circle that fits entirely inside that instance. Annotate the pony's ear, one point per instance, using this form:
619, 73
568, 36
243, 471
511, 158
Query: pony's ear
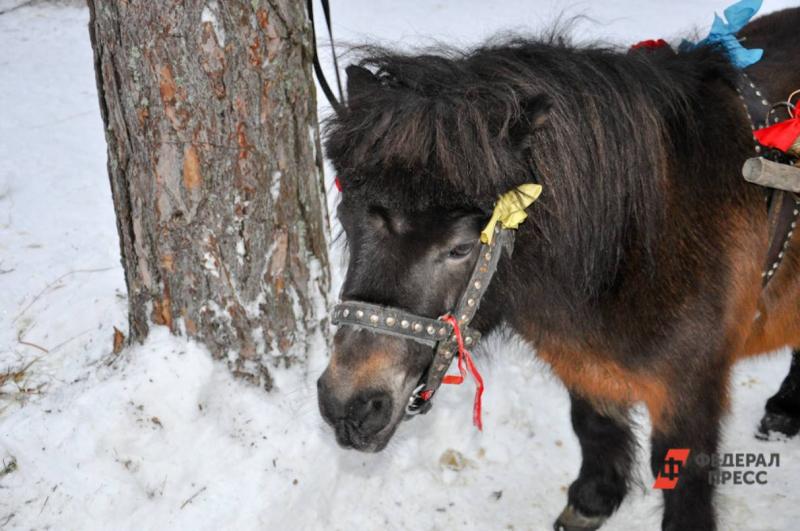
359, 79
533, 114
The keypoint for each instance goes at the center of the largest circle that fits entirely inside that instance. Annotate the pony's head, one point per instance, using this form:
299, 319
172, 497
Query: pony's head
421, 153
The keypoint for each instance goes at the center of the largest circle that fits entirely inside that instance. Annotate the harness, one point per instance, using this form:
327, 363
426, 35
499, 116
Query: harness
771, 168
783, 206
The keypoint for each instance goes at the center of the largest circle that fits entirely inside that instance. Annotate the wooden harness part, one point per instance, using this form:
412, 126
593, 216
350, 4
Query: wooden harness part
780, 180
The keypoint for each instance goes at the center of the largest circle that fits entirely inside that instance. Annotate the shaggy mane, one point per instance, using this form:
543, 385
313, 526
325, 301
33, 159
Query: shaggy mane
601, 130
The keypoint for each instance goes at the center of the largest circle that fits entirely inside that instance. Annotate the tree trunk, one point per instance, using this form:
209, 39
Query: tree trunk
215, 169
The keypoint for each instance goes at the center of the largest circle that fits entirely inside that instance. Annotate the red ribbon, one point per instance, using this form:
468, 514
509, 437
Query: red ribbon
781, 135
464, 357
650, 44
337, 183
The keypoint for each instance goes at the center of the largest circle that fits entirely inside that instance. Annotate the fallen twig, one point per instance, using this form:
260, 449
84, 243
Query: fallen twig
16, 375
51, 284
76, 336
8, 467
14, 8
192, 497
44, 504
29, 344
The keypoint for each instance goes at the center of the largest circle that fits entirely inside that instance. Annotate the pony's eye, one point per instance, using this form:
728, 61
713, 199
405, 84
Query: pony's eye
462, 250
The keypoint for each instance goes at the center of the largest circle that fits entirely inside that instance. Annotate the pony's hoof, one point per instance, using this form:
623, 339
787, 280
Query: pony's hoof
571, 519
778, 423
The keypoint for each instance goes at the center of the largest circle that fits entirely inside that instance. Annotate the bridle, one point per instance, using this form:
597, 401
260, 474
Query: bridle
438, 333
444, 333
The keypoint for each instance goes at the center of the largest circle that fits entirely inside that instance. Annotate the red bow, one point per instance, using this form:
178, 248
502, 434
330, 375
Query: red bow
650, 44
781, 135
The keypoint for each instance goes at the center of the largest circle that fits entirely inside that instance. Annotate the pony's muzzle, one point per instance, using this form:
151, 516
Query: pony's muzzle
357, 419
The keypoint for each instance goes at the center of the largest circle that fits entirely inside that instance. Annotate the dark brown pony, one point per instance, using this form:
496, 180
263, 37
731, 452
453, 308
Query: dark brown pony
637, 275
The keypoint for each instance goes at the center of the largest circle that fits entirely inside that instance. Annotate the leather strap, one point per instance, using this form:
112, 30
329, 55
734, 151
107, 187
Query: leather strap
755, 103
783, 212
323, 82
395, 322
468, 304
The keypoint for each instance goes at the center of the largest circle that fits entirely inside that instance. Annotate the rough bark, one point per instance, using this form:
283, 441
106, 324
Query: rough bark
215, 170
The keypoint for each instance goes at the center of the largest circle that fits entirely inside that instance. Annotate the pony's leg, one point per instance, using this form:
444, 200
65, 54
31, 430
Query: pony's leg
693, 424
607, 447
783, 409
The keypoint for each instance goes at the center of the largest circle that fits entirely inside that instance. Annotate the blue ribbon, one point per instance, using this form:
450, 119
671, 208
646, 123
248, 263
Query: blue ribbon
724, 33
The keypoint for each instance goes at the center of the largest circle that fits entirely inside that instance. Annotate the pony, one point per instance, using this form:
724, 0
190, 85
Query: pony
638, 274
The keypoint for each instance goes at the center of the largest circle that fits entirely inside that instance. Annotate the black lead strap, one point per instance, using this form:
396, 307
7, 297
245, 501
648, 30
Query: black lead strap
326, 10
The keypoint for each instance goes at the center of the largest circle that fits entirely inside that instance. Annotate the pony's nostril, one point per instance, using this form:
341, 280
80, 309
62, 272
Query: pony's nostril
370, 412
376, 405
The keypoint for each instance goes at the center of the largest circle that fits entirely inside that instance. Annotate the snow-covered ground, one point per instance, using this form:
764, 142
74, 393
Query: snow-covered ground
162, 437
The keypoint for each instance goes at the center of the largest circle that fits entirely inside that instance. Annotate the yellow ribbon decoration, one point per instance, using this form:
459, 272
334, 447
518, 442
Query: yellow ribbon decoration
510, 209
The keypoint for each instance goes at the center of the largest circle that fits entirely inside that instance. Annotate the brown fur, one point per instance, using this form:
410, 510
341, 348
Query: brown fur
600, 379
778, 324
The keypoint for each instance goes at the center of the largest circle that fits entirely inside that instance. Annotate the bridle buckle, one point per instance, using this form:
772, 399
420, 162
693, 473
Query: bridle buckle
417, 404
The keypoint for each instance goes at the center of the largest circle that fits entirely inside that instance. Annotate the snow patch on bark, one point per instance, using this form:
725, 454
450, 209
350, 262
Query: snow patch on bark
210, 14
253, 308
240, 251
275, 187
210, 263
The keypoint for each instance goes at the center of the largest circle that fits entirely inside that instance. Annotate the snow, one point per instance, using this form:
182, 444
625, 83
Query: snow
209, 14
275, 186
160, 436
